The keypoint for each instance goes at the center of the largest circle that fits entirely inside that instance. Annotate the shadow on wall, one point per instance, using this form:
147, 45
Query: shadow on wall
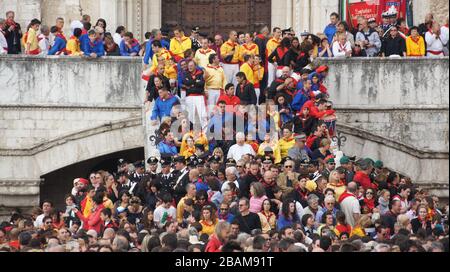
59, 183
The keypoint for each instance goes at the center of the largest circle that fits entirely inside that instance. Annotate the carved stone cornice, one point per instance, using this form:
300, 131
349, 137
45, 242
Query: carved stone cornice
20, 182
117, 125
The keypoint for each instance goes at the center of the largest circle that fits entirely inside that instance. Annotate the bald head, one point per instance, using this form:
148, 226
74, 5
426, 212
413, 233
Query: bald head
193, 174
352, 187
268, 175
109, 233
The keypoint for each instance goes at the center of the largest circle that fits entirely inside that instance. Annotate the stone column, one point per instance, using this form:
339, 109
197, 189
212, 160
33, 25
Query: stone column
154, 14
108, 11
289, 12
278, 13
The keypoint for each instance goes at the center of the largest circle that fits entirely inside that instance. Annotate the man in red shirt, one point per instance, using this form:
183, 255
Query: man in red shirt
229, 98
362, 176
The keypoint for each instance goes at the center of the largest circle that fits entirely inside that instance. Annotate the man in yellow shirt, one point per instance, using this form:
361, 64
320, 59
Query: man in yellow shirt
271, 46
31, 42
286, 143
202, 55
215, 79
159, 53
180, 43
230, 55
415, 44
191, 191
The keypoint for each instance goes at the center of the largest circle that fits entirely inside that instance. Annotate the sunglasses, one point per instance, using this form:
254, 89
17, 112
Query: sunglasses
48, 222
288, 166
224, 209
369, 193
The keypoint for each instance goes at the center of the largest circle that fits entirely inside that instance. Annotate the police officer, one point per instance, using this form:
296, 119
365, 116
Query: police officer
214, 165
139, 172
122, 165
153, 163
166, 178
181, 178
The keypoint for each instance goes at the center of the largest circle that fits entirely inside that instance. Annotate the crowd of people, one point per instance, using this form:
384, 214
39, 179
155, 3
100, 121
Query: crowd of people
229, 180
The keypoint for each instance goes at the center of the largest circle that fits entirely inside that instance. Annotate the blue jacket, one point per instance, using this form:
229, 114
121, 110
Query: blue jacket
165, 148
163, 108
149, 51
300, 98
60, 45
88, 47
329, 31
125, 51
284, 222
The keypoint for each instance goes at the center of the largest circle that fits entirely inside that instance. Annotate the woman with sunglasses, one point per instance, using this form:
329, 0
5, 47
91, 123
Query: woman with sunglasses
208, 220
368, 203
267, 217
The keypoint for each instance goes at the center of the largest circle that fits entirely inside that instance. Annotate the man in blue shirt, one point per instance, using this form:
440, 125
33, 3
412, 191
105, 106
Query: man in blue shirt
129, 46
330, 30
156, 35
163, 104
92, 43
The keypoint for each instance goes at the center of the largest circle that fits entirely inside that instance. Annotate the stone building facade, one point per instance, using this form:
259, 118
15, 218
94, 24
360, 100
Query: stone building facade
141, 16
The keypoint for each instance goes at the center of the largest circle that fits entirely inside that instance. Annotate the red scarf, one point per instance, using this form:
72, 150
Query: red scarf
415, 40
11, 22
370, 203
62, 37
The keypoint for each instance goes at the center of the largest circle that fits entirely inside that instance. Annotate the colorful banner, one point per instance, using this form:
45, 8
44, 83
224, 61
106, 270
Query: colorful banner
362, 9
372, 9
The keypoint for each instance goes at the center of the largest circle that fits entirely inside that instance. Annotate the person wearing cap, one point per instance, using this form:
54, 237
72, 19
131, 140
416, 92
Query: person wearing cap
180, 43
153, 163
347, 164
195, 39
139, 172
330, 165
300, 152
415, 44
92, 43
203, 53
181, 174
386, 22
166, 177
368, 39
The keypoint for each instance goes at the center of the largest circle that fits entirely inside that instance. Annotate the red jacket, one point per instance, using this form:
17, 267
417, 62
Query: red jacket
93, 221
213, 245
363, 179
233, 101
320, 114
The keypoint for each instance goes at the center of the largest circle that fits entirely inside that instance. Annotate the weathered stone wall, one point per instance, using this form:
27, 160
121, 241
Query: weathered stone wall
55, 112
395, 110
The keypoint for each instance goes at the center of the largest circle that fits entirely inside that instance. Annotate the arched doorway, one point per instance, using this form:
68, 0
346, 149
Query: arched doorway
57, 184
217, 16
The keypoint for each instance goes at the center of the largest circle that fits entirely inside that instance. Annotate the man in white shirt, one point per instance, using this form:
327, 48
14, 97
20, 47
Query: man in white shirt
240, 149
350, 205
46, 209
444, 33
44, 41
436, 41
342, 47
231, 175
165, 212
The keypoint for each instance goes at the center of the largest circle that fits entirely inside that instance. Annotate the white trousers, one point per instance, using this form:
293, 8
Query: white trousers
195, 105
213, 96
230, 71
258, 93
271, 73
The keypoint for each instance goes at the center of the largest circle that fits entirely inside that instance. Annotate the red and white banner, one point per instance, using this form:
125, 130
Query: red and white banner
373, 9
